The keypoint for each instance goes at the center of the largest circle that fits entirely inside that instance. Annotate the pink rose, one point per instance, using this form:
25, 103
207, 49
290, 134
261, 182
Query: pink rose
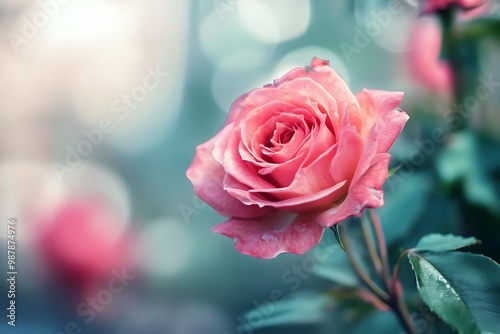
82, 243
424, 61
431, 6
295, 157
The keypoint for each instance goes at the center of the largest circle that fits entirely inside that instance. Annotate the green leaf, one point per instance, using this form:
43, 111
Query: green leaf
403, 205
463, 289
336, 232
472, 160
443, 242
393, 171
304, 308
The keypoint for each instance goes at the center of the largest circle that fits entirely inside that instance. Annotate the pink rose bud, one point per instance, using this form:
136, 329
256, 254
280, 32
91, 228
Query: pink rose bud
424, 62
295, 157
83, 244
431, 6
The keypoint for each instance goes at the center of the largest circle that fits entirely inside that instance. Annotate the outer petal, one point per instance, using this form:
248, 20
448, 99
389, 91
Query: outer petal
390, 120
207, 176
346, 160
365, 193
327, 77
301, 203
269, 236
301, 92
236, 108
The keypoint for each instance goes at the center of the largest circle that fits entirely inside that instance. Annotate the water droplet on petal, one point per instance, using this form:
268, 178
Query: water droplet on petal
300, 227
268, 237
236, 240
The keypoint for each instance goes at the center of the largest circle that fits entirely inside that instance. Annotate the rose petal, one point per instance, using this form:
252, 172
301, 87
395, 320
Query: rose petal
279, 151
345, 162
303, 183
258, 127
317, 96
302, 92
301, 203
281, 175
246, 172
324, 75
389, 119
365, 193
236, 108
319, 151
207, 176
269, 236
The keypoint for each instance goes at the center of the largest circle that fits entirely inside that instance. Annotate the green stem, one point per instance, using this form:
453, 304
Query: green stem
392, 285
371, 245
386, 275
393, 299
395, 275
451, 45
370, 284
401, 310
398, 288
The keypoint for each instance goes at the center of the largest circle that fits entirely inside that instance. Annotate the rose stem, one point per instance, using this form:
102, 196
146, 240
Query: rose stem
394, 287
451, 44
383, 250
371, 245
361, 273
395, 275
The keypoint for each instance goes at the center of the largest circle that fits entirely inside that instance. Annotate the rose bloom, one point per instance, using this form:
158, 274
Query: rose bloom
423, 58
295, 157
82, 243
431, 6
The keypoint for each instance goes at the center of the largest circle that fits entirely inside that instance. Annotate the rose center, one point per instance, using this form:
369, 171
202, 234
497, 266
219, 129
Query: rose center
283, 134
283, 141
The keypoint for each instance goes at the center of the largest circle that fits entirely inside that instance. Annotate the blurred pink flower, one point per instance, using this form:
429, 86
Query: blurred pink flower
81, 244
424, 62
431, 6
295, 157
